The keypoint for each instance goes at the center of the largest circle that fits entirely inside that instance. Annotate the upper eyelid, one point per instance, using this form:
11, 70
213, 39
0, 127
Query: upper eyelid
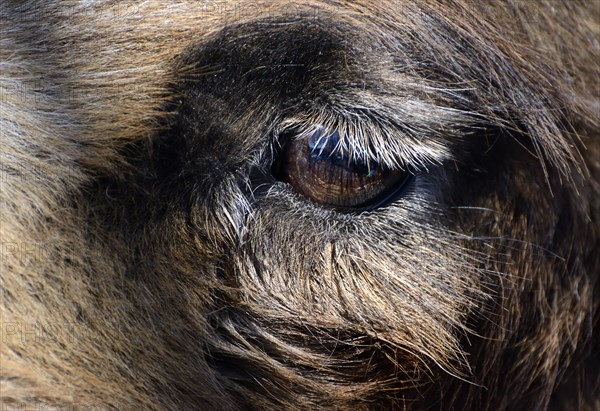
370, 138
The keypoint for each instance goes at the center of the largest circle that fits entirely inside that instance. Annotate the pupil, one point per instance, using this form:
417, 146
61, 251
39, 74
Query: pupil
324, 147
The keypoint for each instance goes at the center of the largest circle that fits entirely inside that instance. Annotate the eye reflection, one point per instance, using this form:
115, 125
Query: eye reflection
326, 147
321, 168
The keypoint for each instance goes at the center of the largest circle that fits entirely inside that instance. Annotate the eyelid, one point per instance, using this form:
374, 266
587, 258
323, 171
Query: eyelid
370, 138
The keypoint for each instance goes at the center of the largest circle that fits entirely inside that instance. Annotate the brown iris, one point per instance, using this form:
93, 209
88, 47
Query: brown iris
318, 168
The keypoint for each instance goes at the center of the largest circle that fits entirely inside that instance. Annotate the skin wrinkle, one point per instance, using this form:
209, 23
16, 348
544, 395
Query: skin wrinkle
140, 212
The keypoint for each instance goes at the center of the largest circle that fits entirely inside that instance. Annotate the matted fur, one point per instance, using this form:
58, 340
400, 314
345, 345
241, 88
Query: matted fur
151, 261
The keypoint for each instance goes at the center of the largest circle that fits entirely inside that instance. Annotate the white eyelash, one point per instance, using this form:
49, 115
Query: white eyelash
367, 137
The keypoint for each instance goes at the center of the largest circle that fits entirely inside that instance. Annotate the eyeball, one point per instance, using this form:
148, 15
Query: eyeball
322, 169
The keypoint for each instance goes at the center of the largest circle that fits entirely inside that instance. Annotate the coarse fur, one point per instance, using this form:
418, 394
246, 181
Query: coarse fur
151, 260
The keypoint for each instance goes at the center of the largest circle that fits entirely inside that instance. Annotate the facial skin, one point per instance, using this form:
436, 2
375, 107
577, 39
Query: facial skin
172, 240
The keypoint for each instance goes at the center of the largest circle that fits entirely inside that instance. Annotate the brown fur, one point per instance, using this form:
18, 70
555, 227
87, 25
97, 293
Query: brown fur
149, 261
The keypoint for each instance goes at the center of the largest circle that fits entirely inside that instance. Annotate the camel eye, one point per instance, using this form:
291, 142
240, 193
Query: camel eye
321, 168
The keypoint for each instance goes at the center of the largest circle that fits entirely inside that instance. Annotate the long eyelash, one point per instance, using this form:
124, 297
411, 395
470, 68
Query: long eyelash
368, 137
